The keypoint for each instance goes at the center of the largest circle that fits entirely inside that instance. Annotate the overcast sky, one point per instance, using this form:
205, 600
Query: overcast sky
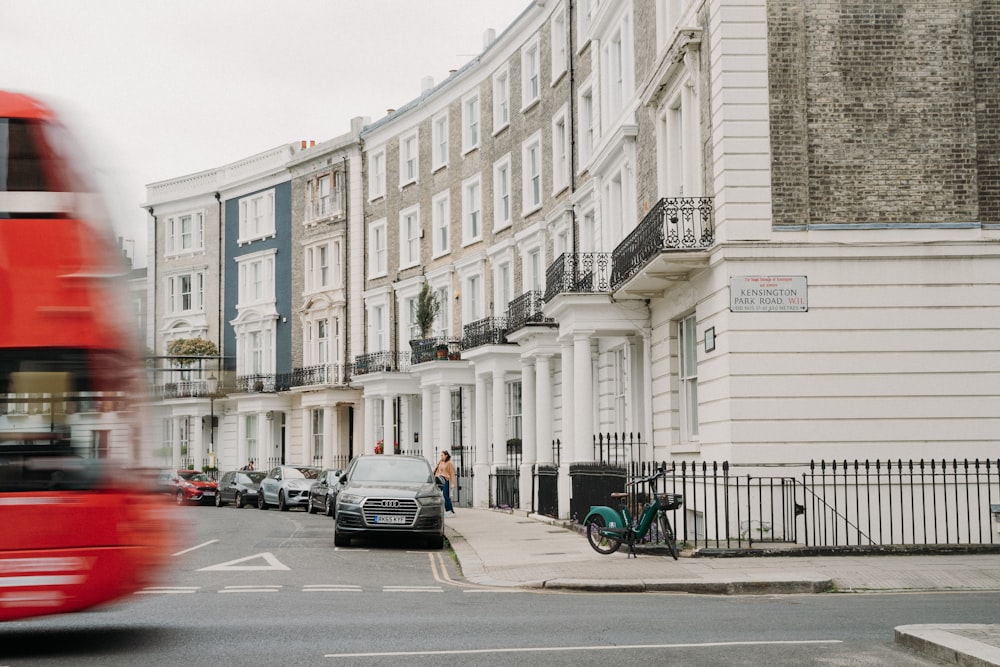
164, 88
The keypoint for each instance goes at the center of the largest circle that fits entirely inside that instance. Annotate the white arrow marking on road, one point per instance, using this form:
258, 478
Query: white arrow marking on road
234, 565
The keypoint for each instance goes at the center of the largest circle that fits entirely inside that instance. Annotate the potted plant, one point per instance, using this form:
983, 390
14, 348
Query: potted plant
191, 347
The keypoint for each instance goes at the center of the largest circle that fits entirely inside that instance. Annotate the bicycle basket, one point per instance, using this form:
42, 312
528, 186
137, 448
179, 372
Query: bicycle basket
670, 501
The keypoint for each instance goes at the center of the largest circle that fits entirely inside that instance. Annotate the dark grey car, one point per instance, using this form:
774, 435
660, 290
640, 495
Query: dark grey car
239, 487
323, 494
389, 495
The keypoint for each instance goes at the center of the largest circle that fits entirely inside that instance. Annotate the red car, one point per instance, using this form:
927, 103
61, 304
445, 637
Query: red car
195, 486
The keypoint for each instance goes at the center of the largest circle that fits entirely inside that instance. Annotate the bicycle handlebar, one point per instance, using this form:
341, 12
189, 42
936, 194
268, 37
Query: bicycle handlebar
661, 472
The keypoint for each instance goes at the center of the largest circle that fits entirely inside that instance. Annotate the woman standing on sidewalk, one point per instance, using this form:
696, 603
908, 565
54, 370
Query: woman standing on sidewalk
446, 469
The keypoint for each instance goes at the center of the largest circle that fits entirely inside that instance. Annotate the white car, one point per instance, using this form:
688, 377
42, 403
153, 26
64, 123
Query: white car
286, 487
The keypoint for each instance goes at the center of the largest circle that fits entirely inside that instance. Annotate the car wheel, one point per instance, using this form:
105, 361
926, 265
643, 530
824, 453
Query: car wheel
239, 500
282, 505
436, 542
180, 497
339, 539
330, 504
218, 499
261, 503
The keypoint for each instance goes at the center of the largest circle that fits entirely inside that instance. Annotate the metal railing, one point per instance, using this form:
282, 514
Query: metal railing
674, 223
578, 272
527, 309
504, 488
381, 362
487, 331
321, 374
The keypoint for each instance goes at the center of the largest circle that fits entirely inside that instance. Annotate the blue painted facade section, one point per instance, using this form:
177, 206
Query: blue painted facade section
281, 243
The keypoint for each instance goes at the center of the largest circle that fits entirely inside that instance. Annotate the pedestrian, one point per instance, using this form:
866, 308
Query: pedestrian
445, 469
249, 465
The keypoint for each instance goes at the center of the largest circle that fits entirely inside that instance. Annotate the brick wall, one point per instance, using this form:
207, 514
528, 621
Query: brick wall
883, 111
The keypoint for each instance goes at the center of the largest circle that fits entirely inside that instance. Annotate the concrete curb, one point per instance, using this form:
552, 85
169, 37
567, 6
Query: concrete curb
955, 644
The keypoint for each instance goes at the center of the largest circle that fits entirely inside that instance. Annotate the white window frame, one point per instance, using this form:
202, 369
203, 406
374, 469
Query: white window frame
318, 264
531, 174
441, 223
687, 375
560, 150
616, 69
472, 210
256, 216
503, 201
501, 99
503, 282
195, 281
185, 233
409, 158
256, 273
471, 123
588, 130
376, 173
409, 237
472, 297
531, 73
559, 43
378, 248
439, 141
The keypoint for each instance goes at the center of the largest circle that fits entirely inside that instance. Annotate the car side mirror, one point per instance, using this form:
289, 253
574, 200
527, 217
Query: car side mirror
343, 478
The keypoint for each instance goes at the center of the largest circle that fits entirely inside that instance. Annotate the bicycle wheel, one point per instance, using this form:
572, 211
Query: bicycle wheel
667, 531
602, 544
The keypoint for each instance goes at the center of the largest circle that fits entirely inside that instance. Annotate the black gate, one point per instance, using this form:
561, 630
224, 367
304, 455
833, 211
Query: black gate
504, 493
546, 502
592, 484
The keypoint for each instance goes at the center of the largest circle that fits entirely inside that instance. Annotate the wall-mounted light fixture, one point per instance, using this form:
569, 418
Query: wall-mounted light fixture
710, 339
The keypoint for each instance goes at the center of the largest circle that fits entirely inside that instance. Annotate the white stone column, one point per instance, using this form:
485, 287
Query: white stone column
368, 436
583, 396
329, 437
481, 468
543, 424
443, 442
499, 431
427, 423
529, 442
388, 434
568, 456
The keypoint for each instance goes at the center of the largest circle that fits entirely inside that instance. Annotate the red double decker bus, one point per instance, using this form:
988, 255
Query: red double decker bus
80, 523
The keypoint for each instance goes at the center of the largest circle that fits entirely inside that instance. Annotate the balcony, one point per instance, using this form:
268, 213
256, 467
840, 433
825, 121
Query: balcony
381, 362
261, 383
579, 273
667, 245
487, 331
434, 349
527, 309
322, 374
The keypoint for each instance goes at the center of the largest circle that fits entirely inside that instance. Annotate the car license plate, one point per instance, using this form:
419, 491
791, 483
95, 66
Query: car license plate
208, 493
392, 518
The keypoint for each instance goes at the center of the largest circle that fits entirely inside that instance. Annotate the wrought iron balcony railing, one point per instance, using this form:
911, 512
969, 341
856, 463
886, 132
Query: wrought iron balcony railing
381, 362
526, 309
266, 383
674, 224
431, 349
322, 374
578, 272
487, 331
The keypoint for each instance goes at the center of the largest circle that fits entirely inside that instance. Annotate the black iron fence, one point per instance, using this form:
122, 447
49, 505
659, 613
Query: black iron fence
546, 489
618, 449
578, 272
487, 331
527, 309
834, 504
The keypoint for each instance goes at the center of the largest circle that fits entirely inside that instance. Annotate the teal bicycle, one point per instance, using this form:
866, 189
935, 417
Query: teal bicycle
608, 528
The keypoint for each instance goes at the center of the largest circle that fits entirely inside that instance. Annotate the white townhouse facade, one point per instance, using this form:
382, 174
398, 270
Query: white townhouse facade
756, 231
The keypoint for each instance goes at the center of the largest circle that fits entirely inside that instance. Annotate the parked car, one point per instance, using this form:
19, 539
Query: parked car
194, 486
323, 494
239, 487
286, 487
391, 495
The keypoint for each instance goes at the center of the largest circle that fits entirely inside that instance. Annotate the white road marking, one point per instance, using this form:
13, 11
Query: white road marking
234, 565
331, 588
167, 590
412, 589
251, 589
602, 647
203, 544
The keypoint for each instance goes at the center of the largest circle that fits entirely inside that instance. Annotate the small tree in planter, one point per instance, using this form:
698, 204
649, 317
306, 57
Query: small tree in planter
428, 308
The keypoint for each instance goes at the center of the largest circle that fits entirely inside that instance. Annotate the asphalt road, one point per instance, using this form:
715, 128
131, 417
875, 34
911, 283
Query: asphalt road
264, 588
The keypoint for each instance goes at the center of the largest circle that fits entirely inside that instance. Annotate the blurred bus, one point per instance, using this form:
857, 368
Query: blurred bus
80, 524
